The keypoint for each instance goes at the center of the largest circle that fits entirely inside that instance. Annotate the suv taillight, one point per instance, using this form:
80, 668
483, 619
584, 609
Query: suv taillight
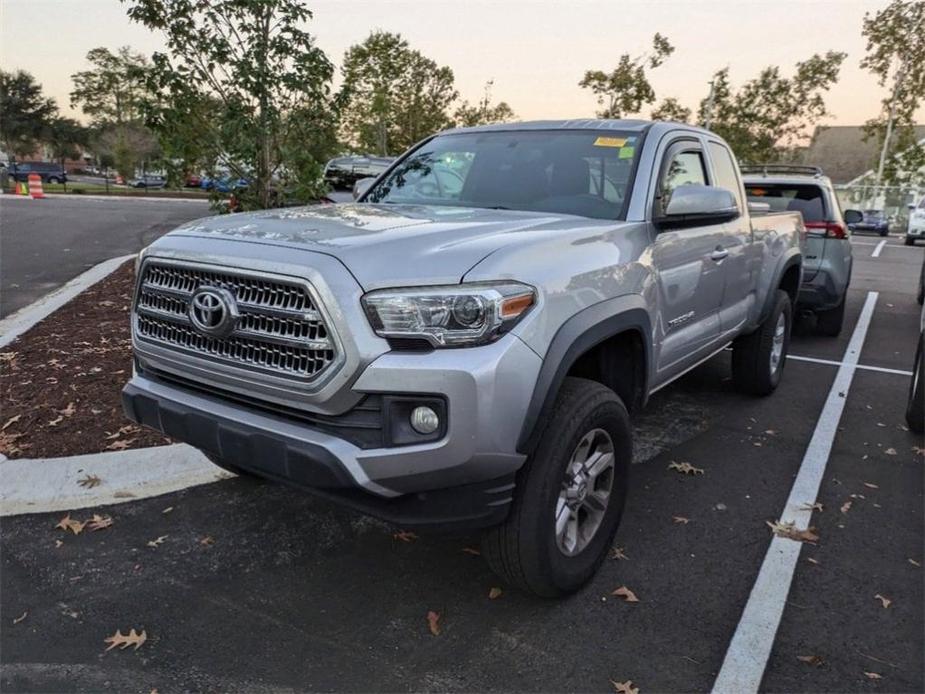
832, 230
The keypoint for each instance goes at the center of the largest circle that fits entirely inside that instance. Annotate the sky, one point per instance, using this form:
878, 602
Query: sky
535, 51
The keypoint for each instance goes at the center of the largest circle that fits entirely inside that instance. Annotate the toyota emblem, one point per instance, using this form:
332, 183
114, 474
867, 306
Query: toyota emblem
213, 311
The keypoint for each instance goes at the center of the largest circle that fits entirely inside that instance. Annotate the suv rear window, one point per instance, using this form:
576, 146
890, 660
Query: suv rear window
807, 199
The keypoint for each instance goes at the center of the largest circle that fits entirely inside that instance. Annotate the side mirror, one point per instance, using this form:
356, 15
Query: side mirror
759, 209
911, 205
692, 204
361, 186
853, 216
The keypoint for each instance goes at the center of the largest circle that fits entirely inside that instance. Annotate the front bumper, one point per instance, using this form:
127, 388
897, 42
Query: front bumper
463, 478
916, 230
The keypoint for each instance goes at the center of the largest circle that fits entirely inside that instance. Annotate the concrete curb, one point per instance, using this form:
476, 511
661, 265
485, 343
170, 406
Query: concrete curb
17, 323
84, 196
51, 484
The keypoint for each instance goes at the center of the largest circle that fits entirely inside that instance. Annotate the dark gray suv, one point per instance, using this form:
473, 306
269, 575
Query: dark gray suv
49, 171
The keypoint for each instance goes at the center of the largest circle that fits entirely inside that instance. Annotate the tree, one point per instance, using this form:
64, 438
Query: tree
115, 90
769, 115
672, 110
66, 138
626, 89
483, 112
251, 60
392, 96
24, 112
126, 145
896, 44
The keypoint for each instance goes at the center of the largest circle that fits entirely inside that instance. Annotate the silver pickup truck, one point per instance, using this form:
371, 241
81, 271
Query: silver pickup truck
463, 345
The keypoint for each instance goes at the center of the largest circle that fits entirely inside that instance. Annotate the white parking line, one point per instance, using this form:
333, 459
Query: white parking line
747, 656
881, 369
876, 253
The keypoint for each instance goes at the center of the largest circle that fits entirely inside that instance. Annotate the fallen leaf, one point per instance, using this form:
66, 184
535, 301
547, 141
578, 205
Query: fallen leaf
99, 522
494, 593
770, 432
873, 675
686, 468
791, 532
472, 550
918, 450
624, 687
884, 601
123, 641
56, 421
123, 430
90, 481
119, 445
159, 541
681, 520
69, 410
124, 495
811, 659
845, 507
617, 553
871, 485
890, 451
405, 536
626, 594
812, 561
433, 622
167, 510
58, 544
72, 524
11, 420
812, 507
21, 617
915, 563
207, 541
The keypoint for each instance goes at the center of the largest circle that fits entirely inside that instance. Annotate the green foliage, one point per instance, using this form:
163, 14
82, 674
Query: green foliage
66, 138
671, 110
392, 96
115, 89
24, 112
483, 113
126, 146
767, 116
896, 37
626, 89
235, 73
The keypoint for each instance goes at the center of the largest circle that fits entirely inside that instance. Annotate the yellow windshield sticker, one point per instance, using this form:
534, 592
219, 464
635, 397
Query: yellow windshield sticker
627, 152
610, 142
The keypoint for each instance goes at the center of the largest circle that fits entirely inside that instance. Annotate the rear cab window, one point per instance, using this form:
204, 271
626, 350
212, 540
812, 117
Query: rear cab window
809, 199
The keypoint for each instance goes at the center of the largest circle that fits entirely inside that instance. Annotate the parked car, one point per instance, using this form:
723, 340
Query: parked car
148, 181
193, 181
873, 221
915, 405
915, 231
225, 184
344, 172
828, 259
49, 171
468, 357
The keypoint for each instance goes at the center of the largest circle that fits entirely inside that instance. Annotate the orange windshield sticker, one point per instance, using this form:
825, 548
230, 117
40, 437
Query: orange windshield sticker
610, 142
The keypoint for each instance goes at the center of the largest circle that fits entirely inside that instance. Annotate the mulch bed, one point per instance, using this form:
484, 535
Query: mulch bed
60, 382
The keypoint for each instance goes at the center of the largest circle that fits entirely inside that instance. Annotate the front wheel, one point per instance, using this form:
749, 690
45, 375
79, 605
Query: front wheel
758, 359
909, 241
915, 409
569, 496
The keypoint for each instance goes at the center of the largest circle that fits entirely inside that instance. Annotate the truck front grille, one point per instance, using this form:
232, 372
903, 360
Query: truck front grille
280, 328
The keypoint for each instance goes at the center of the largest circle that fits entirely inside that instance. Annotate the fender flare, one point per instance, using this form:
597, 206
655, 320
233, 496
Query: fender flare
794, 257
577, 335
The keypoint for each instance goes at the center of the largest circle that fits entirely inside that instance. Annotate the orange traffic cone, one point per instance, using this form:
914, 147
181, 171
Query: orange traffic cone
35, 186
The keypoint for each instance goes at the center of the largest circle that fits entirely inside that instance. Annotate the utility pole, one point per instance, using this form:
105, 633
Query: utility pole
889, 123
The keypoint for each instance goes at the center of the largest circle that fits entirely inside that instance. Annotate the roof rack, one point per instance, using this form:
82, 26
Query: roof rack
766, 169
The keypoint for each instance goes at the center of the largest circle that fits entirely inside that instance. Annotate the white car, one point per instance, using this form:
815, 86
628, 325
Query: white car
916, 228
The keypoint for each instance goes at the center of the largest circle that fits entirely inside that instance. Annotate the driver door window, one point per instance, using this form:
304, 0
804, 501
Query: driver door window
684, 168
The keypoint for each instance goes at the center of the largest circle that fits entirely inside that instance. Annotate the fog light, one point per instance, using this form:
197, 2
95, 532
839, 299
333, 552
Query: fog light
424, 420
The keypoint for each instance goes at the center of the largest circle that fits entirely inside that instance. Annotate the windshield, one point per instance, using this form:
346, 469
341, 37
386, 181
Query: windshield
577, 172
807, 199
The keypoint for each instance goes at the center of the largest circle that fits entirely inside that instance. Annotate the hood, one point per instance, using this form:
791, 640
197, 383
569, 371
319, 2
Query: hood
390, 245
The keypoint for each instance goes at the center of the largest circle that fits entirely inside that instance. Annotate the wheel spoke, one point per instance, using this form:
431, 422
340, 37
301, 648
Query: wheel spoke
596, 502
598, 463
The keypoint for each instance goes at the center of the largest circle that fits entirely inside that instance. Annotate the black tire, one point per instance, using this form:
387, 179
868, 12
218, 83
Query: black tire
524, 550
752, 369
885, 233
830, 322
53, 179
915, 409
909, 241
920, 297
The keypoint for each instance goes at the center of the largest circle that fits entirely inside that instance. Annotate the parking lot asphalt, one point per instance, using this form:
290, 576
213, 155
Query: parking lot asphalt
251, 586
48, 242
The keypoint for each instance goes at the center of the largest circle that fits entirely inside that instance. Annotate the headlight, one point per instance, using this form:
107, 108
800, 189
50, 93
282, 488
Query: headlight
461, 315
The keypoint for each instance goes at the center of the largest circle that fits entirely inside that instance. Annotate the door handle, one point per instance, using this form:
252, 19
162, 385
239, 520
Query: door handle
719, 254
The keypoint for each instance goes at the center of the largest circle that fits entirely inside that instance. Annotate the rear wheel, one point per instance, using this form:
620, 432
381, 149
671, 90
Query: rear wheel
830, 322
569, 496
915, 409
758, 359
53, 179
910, 241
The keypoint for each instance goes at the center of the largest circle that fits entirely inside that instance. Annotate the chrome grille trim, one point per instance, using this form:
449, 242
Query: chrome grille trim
281, 329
